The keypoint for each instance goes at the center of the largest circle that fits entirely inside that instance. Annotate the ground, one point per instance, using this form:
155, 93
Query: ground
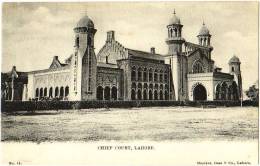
156, 124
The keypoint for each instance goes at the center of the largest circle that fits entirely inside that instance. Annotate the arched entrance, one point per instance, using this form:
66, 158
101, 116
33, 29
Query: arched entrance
99, 93
150, 95
114, 93
107, 93
139, 94
133, 94
199, 93
145, 95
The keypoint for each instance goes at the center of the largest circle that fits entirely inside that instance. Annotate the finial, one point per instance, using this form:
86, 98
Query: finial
203, 23
174, 11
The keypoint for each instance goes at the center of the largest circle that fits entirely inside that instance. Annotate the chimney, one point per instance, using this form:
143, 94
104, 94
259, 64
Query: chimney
55, 58
152, 50
110, 36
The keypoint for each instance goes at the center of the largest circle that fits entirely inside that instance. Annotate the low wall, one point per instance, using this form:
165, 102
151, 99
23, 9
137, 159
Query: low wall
8, 106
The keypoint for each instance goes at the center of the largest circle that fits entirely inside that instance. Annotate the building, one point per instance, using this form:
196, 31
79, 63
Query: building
14, 85
187, 72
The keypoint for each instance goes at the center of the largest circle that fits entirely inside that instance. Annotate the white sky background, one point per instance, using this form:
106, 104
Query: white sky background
34, 32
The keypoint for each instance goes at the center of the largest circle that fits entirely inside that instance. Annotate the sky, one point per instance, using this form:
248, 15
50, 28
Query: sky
32, 33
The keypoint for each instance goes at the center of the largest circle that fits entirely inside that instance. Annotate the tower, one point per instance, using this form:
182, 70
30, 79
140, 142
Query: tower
174, 39
84, 63
204, 36
234, 69
177, 59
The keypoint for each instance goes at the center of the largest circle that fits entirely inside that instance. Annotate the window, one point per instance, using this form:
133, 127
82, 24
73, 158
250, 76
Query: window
145, 74
197, 67
139, 74
133, 74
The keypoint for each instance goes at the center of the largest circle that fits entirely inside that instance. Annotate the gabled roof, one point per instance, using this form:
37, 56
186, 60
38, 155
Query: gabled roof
143, 54
199, 50
56, 63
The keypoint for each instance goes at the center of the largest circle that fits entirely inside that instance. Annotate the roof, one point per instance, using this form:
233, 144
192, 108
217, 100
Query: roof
14, 74
56, 63
85, 22
143, 54
107, 65
203, 30
234, 59
175, 19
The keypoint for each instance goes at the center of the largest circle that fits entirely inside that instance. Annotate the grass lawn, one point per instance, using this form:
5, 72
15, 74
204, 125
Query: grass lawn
156, 123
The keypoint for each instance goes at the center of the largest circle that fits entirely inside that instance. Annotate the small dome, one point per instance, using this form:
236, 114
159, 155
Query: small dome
175, 19
204, 30
85, 22
234, 59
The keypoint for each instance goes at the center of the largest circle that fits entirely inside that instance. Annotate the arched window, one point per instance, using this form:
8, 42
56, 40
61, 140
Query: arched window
165, 78
175, 32
232, 69
41, 92
151, 86
37, 92
139, 86
150, 75
166, 95
67, 91
155, 95
99, 93
150, 95
145, 95
171, 32
161, 76
235, 95
155, 76
161, 95
139, 74
145, 86
133, 74
114, 93
56, 92
107, 93
133, 85
133, 94
62, 92
139, 94
145, 75
218, 92
89, 41
45, 92
224, 91
50, 92
197, 67
77, 41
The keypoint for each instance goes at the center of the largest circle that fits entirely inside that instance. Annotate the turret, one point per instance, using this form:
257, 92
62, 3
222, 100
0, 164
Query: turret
84, 63
204, 36
234, 69
175, 39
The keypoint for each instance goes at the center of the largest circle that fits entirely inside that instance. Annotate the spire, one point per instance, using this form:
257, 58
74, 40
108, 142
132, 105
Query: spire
174, 12
203, 23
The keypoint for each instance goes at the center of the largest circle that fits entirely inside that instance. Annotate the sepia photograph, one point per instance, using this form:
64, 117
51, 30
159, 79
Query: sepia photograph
176, 81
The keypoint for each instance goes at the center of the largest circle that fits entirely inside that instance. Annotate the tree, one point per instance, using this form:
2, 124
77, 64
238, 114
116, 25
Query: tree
252, 93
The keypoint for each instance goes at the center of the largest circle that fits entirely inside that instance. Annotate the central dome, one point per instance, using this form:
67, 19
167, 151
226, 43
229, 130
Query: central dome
85, 22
